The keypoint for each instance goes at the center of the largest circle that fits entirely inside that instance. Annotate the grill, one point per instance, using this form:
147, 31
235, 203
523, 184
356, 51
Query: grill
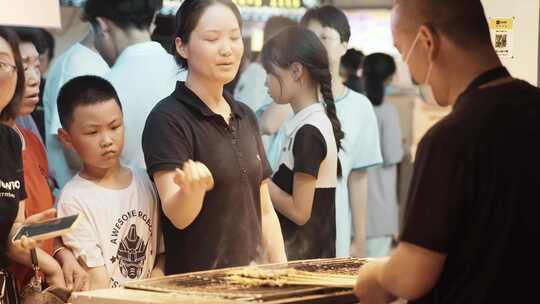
214, 284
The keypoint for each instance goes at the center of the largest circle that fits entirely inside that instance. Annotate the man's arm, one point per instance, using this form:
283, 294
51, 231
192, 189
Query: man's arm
358, 199
410, 273
271, 230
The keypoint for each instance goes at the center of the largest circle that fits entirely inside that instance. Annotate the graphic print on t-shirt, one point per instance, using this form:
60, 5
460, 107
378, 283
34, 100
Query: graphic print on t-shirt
132, 244
132, 254
8, 188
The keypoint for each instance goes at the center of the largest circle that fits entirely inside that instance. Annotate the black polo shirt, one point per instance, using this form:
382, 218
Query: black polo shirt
11, 185
227, 232
474, 195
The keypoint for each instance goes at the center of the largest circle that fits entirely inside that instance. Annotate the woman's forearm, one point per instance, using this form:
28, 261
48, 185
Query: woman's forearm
183, 208
271, 230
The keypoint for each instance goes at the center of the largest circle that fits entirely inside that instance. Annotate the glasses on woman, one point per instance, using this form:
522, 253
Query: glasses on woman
7, 68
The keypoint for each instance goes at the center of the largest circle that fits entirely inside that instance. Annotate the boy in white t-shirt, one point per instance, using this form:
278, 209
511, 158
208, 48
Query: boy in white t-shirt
118, 239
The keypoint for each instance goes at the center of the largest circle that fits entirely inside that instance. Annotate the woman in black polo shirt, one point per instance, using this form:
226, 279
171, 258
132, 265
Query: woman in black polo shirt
204, 152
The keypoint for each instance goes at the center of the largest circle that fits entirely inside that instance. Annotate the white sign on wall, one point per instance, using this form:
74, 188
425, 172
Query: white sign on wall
36, 13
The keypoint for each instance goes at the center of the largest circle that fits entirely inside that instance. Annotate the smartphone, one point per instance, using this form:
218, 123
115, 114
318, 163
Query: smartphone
48, 229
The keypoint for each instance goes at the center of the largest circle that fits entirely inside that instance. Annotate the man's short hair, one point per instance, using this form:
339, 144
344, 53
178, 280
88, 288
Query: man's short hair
126, 14
83, 91
462, 21
329, 16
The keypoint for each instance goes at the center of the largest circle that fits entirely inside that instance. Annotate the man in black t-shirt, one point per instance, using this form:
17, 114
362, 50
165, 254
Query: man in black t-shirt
471, 217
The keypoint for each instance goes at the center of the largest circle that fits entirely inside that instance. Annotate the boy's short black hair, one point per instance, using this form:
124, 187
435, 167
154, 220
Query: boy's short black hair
83, 91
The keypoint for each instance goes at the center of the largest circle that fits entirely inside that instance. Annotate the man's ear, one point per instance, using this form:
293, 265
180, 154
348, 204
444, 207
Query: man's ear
103, 26
430, 41
65, 139
181, 48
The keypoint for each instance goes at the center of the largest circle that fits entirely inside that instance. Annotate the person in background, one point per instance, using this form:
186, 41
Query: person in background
252, 91
472, 216
46, 54
250, 88
82, 58
304, 187
382, 209
351, 69
203, 151
12, 187
118, 237
164, 31
36, 171
361, 147
142, 71
31, 40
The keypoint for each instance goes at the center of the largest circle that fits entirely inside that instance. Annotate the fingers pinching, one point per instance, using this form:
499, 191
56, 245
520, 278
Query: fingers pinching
208, 178
180, 177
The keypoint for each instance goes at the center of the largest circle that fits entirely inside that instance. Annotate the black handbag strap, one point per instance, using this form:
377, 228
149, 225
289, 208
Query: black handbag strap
8, 288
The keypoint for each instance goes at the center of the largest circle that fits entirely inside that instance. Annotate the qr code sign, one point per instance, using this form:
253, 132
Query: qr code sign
501, 41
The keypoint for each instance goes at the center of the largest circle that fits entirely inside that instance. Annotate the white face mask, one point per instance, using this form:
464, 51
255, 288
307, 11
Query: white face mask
426, 91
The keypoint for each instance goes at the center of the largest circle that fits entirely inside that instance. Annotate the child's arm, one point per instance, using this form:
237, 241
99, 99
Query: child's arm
99, 278
309, 150
84, 243
159, 268
296, 207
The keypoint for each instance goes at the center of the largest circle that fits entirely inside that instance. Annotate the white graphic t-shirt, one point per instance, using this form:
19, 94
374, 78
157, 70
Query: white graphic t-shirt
119, 228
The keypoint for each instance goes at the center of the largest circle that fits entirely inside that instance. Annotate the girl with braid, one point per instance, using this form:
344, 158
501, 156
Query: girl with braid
303, 188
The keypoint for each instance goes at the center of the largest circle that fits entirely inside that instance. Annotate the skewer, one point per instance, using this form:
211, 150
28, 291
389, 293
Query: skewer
261, 277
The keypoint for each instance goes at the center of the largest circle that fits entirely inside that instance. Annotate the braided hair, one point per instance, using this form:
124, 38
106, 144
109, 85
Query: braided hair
299, 45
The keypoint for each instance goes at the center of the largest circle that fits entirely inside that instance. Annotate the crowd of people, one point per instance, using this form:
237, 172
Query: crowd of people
172, 173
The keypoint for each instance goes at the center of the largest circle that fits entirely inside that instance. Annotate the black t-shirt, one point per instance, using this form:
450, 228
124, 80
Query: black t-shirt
227, 232
474, 197
11, 185
317, 238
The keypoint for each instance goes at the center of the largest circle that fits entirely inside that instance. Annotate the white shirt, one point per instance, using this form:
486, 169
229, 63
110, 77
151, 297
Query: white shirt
119, 229
143, 75
78, 60
315, 116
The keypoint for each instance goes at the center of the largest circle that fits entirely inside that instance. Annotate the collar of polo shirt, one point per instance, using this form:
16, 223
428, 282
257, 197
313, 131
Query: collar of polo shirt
189, 98
298, 118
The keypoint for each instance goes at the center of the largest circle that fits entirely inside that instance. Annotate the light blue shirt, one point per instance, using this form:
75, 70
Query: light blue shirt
78, 60
143, 75
361, 150
382, 210
251, 88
